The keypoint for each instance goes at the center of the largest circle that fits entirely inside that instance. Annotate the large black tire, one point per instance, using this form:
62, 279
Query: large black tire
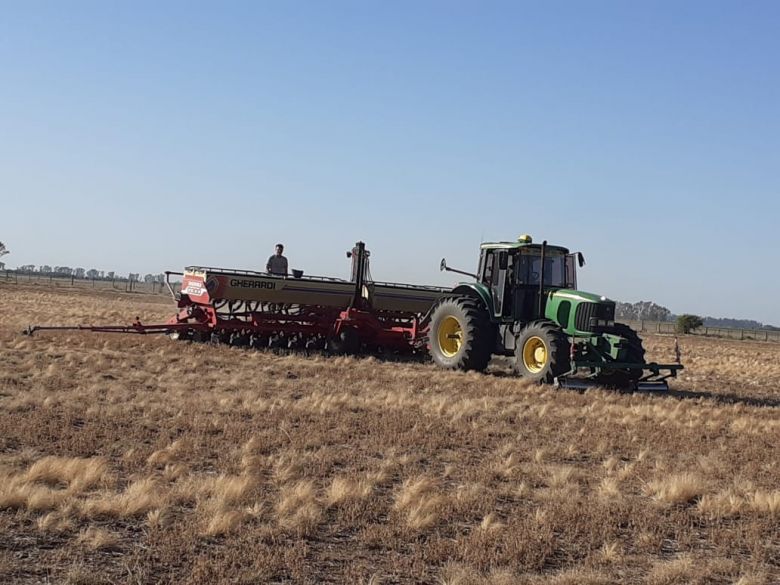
636, 354
636, 351
461, 336
347, 342
542, 352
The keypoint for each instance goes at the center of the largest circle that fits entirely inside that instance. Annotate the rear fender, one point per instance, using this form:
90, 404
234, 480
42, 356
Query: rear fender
476, 290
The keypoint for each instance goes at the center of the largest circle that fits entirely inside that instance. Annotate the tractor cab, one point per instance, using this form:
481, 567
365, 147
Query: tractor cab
520, 274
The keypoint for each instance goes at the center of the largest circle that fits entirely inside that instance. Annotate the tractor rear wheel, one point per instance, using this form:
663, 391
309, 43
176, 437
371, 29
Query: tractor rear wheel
542, 352
461, 336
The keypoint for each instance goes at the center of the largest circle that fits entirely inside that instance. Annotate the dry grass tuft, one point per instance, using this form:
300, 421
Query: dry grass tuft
138, 498
609, 488
56, 522
419, 501
75, 473
344, 489
579, 576
765, 502
83, 575
225, 522
170, 453
721, 505
459, 574
540, 455
507, 466
679, 570
157, 518
13, 493
680, 488
40, 498
298, 509
611, 552
752, 579
17, 493
233, 489
490, 523
95, 538
560, 476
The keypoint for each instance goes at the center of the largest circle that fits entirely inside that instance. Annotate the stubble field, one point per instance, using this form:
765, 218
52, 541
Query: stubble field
132, 459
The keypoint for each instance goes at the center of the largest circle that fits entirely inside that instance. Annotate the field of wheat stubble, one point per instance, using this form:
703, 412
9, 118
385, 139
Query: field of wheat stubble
138, 459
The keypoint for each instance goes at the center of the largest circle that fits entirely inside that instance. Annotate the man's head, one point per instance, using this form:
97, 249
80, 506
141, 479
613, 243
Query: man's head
279, 249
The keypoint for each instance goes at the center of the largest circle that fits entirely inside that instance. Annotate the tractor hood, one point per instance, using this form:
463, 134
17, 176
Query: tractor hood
578, 296
579, 312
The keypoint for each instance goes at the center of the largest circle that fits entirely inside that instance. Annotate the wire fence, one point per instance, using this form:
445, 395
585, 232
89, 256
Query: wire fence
669, 327
61, 281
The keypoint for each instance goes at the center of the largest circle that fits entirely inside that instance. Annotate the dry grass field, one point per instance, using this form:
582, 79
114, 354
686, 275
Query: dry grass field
132, 459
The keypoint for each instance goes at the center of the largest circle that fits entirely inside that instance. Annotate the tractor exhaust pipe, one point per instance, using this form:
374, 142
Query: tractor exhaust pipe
541, 281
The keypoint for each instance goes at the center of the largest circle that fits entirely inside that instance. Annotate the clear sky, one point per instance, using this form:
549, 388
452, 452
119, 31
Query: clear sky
143, 136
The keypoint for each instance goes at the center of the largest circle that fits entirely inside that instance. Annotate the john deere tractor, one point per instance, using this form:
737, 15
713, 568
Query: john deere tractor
524, 303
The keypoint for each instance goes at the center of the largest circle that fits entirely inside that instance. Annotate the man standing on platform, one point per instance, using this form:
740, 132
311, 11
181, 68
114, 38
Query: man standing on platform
277, 264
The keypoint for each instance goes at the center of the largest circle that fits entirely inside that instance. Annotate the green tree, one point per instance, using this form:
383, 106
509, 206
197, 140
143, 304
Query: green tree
687, 323
3, 250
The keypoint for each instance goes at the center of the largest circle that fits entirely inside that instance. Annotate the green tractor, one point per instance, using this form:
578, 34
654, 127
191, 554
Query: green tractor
525, 304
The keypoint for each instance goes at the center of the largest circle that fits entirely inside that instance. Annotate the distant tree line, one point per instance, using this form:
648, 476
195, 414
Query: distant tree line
3, 252
650, 311
735, 323
80, 273
642, 311
87, 274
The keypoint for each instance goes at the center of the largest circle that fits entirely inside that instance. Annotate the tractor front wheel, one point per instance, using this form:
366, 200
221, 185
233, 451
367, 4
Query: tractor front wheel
634, 353
461, 336
541, 352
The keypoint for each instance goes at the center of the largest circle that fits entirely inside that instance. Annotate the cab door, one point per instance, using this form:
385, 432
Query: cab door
499, 285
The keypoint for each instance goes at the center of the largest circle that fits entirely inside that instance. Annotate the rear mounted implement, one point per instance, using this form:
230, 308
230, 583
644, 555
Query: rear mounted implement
257, 309
654, 377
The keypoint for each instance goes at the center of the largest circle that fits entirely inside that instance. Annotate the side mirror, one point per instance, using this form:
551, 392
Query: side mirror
580, 259
443, 264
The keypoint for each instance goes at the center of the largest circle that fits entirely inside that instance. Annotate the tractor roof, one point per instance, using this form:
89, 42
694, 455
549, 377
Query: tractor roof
522, 243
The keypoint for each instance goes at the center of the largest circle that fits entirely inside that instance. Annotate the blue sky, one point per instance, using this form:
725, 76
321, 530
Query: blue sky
146, 136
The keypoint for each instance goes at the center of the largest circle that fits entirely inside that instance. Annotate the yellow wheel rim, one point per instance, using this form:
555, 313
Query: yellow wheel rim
534, 354
450, 336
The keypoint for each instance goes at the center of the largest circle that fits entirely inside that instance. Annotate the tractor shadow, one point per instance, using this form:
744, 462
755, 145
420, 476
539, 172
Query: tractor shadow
502, 367
725, 399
